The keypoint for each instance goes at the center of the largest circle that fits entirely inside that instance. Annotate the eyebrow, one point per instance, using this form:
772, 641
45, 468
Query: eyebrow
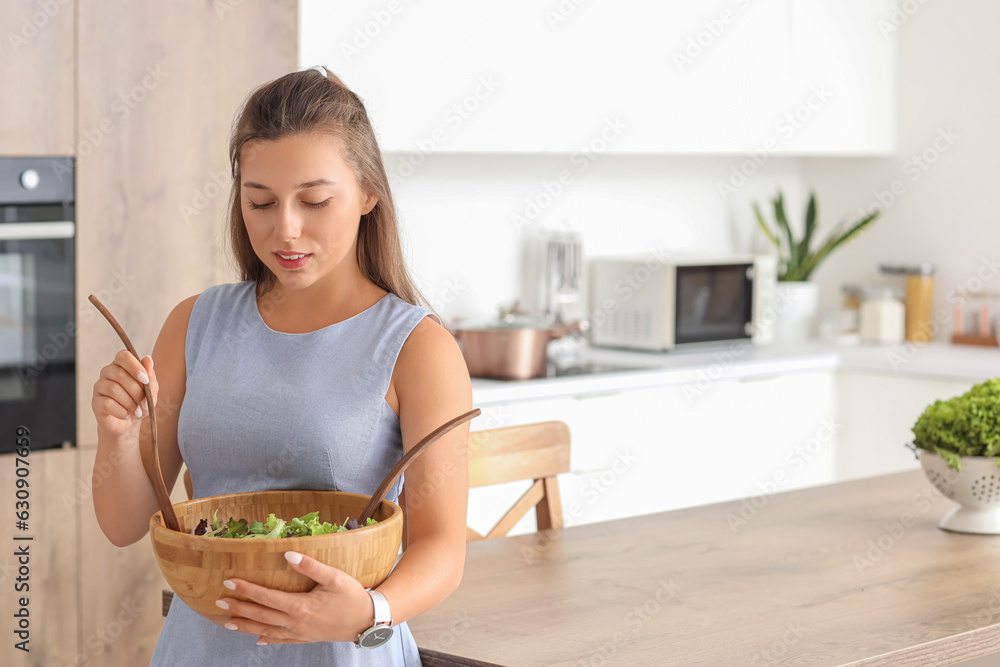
302, 186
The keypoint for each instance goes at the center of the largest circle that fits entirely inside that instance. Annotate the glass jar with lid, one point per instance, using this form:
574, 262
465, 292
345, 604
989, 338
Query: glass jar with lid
919, 281
850, 307
883, 316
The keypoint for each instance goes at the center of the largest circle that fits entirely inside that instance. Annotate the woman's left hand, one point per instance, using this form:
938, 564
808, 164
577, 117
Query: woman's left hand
337, 609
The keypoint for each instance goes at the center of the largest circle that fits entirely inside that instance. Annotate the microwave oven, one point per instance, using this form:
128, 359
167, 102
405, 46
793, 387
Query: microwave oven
660, 304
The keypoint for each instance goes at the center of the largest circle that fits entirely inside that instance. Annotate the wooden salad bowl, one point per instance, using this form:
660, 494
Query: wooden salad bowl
195, 566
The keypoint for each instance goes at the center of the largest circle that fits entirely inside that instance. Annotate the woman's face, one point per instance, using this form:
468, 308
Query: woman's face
302, 206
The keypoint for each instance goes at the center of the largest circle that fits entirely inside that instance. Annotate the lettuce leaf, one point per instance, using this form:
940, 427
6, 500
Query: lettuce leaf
275, 528
966, 425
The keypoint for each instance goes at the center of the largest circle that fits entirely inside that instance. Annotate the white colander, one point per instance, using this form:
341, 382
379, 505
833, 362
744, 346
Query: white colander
976, 490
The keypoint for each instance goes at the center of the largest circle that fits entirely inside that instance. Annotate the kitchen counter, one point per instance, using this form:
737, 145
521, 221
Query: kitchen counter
855, 573
929, 361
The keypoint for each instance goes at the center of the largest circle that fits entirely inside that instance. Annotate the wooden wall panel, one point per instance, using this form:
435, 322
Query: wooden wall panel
120, 587
160, 85
36, 68
53, 561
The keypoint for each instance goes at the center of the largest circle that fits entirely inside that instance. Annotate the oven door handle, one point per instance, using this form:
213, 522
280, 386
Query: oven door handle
37, 231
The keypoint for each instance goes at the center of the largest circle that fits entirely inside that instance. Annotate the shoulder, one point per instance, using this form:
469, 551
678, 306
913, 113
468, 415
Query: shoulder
430, 362
428, 333
217, 306
431, 386
181, 313
174, 329
429, 344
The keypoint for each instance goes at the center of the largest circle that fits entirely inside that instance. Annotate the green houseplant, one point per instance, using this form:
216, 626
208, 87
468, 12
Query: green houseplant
797, 259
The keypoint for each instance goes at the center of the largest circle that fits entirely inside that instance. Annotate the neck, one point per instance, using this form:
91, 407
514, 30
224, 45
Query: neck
333, 299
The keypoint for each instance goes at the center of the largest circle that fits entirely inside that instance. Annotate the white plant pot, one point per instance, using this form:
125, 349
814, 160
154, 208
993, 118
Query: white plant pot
976, 490
795, 307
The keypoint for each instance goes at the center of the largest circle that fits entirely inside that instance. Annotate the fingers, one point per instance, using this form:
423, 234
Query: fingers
276, 601
333, 611
319, 572
123, 391
133, 367
254, 619
263, 614
265, 639
251, 627
154, 386
119, 391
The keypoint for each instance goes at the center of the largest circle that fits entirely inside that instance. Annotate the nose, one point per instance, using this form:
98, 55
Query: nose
289, 224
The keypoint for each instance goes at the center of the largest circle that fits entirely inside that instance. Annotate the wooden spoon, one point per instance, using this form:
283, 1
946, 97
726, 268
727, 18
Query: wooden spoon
407, 459
162, 496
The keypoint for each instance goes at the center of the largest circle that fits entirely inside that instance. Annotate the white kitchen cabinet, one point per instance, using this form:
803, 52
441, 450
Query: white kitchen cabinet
877, 412
842, 97
657, 449
688, 445
638, 76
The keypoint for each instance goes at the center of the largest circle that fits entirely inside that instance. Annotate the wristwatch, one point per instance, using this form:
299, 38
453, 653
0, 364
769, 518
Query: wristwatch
381, 630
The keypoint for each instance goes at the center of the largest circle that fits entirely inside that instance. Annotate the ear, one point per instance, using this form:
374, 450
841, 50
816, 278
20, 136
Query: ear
369, 204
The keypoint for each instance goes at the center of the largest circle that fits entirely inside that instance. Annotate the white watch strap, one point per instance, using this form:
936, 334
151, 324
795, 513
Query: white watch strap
382, 613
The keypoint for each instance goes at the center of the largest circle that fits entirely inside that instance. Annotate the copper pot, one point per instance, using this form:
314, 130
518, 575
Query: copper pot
508, 351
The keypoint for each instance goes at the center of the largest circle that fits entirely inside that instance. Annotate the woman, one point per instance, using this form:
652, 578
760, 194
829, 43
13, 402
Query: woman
317, 371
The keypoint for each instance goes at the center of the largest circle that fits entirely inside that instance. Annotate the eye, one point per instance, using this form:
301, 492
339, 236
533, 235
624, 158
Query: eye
319, 204
255, 206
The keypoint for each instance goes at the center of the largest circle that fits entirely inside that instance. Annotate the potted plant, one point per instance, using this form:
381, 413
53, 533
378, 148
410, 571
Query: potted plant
798, 296
959, 443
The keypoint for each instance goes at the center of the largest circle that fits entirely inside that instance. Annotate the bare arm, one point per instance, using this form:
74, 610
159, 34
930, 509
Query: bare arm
123, 495
431, 384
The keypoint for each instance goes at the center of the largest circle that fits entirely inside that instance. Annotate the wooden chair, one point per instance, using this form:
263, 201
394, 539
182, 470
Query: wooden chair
537, 452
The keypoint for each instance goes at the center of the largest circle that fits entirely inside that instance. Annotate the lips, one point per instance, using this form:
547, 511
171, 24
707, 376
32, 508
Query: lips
292, 260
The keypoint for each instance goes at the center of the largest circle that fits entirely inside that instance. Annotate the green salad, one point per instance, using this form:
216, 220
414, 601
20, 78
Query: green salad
273, 528
967, 425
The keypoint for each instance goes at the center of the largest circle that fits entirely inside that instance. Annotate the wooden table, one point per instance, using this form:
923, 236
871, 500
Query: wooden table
856, 573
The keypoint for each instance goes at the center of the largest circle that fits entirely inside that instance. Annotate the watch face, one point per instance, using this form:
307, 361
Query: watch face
377, 636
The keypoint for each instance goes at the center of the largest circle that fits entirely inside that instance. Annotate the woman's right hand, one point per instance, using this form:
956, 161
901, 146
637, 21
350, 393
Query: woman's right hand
119, 402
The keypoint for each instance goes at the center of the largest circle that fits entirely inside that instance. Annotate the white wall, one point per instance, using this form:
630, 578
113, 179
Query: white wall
466, 248
467, 251
947, 213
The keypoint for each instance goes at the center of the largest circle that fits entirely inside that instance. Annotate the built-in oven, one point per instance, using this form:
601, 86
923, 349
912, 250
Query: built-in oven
37, 301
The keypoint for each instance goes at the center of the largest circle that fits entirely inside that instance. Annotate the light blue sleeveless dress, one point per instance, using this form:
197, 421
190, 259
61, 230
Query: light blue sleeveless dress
270, 410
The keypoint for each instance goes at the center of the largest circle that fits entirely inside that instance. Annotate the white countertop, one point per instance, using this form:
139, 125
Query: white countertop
929, 361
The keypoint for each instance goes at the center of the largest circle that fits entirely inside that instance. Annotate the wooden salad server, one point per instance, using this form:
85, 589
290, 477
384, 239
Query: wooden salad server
162, 496
408, 458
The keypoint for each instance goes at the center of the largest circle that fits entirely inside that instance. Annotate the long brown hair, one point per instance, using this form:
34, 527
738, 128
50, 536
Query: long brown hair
304, 102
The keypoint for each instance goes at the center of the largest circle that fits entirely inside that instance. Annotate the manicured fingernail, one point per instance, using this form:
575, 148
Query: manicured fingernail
293, 557
230, 626
145, 406
222, 604
142, 377
151, 364
230, 585
138, 412
261, 642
